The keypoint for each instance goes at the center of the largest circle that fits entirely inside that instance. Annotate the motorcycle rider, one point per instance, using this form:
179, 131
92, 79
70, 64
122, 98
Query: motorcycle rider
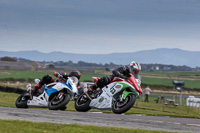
122, 72
47, 79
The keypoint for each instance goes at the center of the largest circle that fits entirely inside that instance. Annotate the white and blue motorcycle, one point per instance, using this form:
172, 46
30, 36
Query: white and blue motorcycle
54, 96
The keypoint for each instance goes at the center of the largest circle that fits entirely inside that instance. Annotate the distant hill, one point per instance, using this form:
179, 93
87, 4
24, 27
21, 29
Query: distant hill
160, 56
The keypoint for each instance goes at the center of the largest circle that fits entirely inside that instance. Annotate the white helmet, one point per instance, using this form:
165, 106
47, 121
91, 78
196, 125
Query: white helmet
135, 67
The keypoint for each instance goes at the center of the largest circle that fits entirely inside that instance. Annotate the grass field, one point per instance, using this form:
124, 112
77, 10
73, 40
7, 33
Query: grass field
156, 80
14, 126
174, 74
167, 83
14, 75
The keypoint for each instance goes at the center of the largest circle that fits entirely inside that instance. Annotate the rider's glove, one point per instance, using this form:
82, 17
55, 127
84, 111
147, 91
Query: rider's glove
58, 75
64, 75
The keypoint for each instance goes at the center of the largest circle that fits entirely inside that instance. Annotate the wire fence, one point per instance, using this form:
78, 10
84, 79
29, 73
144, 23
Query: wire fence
191, 102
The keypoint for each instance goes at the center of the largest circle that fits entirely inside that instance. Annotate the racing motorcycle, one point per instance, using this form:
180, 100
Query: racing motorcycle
119, 96
54, 96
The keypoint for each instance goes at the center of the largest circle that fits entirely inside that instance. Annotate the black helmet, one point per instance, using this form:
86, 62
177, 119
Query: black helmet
75, 73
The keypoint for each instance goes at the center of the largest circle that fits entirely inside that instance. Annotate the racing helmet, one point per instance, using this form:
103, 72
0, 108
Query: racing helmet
75, 73
135, 67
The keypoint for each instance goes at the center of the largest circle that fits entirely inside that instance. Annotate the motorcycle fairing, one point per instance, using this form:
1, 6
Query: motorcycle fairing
68, 85
39, 101
50, 91
134, 83
104, 101
133, 90
72, 84
57, 87
71, 87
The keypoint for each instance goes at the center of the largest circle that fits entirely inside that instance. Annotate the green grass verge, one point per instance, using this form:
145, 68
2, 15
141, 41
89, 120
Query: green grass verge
8, 99
15, 126
140, 107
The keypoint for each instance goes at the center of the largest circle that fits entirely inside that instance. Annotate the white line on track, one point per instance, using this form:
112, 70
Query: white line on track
97, 112
156, 121
193, 125
174, 123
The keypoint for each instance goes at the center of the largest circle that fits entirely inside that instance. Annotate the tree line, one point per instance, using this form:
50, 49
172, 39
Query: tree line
108, 66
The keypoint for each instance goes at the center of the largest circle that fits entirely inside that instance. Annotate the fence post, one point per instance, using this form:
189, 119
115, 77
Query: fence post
188, 107
183, 99
198, 107
163, 106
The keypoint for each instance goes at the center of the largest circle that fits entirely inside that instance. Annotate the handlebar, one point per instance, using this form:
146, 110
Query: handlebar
58, 75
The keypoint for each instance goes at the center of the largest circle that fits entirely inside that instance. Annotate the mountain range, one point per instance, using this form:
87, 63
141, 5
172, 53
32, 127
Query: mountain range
165, 56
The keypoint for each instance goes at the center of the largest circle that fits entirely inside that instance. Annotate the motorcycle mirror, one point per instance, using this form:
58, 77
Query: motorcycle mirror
37, 81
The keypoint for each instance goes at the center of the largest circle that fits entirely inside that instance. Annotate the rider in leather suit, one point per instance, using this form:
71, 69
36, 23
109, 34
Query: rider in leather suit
47, 79
122, 72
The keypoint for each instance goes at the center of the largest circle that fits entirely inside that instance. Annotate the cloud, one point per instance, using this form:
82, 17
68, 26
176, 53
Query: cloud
104, 26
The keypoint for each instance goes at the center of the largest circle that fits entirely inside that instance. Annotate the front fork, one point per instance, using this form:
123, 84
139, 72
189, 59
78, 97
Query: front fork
122, 96
60, 95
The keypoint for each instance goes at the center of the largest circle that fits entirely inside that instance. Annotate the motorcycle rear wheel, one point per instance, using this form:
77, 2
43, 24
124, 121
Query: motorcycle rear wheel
21, 101
121, 107
82, 106
61, 105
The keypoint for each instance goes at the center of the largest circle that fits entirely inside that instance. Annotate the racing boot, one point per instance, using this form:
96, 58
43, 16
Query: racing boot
34, 90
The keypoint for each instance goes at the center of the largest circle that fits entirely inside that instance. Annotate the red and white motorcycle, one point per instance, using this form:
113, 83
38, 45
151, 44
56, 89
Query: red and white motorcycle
119, 96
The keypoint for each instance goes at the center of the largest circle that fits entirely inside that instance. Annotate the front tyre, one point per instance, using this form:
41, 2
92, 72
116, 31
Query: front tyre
119, 107
63, 108
21, 101
82, 103
59, 102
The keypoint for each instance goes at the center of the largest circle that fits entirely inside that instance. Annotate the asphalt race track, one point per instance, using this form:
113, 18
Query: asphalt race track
101, 119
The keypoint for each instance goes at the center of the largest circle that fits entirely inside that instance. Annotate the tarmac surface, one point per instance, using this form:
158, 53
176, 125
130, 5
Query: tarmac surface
163, 123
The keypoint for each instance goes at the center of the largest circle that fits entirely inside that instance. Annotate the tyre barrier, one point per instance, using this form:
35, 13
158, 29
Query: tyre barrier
11, 89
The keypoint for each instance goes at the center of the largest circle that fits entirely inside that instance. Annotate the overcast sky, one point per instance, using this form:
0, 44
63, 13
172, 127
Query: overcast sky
99, 26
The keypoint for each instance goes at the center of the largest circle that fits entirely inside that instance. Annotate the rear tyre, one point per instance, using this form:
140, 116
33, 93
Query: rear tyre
82, 103
60, 103
21, 101
119, 107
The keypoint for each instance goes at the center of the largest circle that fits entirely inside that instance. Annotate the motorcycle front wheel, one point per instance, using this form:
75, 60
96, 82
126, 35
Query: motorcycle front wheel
59, 103
21, 101
119, 107
82, 103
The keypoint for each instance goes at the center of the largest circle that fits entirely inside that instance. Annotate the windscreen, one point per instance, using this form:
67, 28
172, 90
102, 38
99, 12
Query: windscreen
74, 80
